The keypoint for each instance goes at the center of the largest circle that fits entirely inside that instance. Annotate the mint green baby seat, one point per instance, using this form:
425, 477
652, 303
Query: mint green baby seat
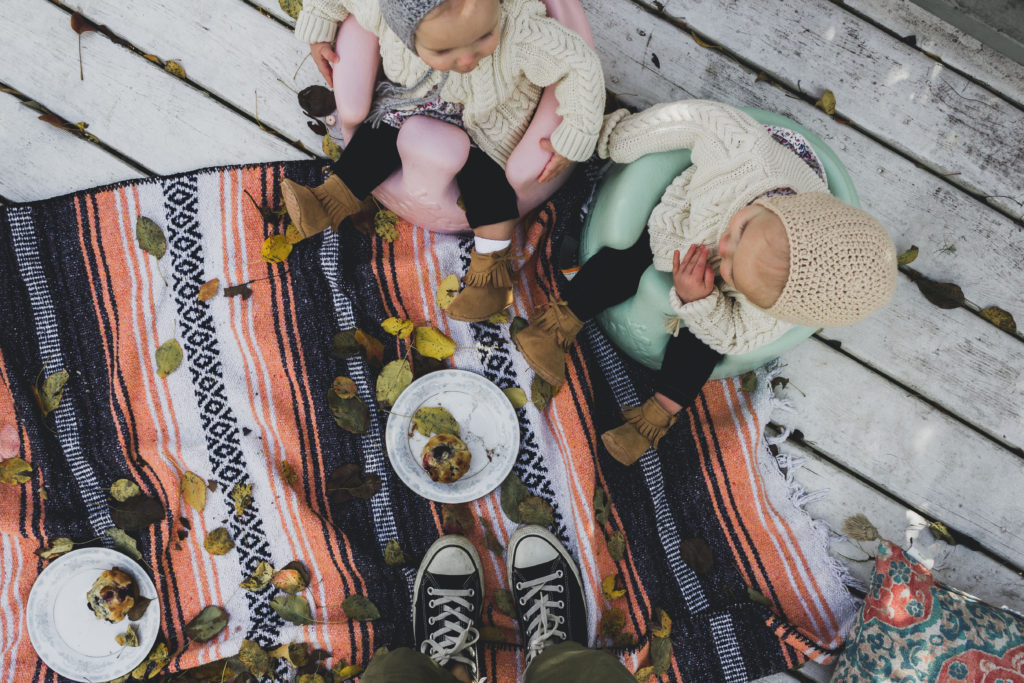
624, 202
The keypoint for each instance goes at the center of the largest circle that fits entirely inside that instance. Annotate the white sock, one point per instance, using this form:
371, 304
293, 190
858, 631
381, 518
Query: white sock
486, 246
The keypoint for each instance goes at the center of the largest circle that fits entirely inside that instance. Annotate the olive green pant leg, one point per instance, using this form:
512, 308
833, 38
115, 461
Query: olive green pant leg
404, 665
570, 662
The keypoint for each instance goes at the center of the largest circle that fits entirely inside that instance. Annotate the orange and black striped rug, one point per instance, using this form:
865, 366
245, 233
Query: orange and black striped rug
77, 293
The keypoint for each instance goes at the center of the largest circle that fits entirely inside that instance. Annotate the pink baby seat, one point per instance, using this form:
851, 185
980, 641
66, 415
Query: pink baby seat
423, 190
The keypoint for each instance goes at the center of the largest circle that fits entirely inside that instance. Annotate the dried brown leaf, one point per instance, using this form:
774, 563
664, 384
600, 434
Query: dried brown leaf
207, 624
1000, 319
513, 492
748, 381
360, 608
254, 658
541, 392
612, 622
600, 505
208, 289
535, 510
243, 290
316, 100
456, 518
616, 546
351, 414
15, 471
259, 578
942, 294
661, 655
697, 553
137, 513
56, 548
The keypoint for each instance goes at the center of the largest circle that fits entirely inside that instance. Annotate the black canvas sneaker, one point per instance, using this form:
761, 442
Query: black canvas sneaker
547, 589
447, 601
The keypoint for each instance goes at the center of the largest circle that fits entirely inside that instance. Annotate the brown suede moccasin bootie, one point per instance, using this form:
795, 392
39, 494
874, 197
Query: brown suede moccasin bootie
547, 339
314, 209
645, 425
488, 287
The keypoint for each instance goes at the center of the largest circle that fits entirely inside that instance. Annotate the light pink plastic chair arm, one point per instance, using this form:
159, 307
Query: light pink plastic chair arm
355, 74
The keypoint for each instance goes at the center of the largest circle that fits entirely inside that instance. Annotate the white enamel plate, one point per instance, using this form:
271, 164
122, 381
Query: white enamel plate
68, 636
487, 424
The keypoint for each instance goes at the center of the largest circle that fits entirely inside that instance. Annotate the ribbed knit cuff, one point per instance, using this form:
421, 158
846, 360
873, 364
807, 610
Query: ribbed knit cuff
310, 28
607, 128
574, 145
694, 309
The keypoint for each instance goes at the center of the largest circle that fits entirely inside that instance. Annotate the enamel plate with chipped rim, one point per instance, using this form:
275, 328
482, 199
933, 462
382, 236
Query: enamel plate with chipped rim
487, 424
66, 634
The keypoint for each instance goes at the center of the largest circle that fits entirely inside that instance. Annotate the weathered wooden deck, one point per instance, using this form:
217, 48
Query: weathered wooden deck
915, 410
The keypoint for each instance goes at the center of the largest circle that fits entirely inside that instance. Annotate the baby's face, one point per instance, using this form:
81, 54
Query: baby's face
458, 34
754, 252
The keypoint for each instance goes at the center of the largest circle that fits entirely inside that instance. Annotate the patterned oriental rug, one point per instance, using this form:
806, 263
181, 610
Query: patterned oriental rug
704, 521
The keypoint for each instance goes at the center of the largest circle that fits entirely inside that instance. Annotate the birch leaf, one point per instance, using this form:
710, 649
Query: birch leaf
57, 547
275, 249
346, 483
243, 290
137, 513
943, 294
600, 505
393, 380
139, 608
241, 496
288, 473
343, 672
1000, 319
941, 532
208, 290
385, 224
360, 608
661, 655
748, 382
175, 69
535, 510
518, 325
433, 343
435, 420
697, 553
289, 581
291, 7
541, 392
611, 623
52, 392
207, 624
447, 291
513, 492
193, 490
907, 257
344, 387
218, 542
344, 344
613, 587
505, 603
331, 148
827, 103
490, 540
456, 518
15, 471
351, 414
373, 350
124, 543
292, 608
260, 577
168, 357
254, 658
399, 327
123, 489
153, 664
515, 396
499, 318
151, 237
661, 624
644, 674
617, 546
393, 555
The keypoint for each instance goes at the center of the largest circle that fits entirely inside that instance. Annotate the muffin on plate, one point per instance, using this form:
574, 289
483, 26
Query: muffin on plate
112, 595
446, 458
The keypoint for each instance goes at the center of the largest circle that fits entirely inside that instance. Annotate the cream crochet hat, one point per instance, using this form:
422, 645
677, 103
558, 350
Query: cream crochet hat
842, 262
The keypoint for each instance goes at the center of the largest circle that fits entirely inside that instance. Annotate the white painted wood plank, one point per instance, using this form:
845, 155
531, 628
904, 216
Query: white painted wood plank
970, 571
950, 356
130, 103
908, 448
966, 53
40, 161
959, 238
226, 48
935, 353
903, 97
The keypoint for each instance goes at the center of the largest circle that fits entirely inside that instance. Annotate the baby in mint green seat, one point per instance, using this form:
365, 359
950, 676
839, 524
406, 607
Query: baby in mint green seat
755, 245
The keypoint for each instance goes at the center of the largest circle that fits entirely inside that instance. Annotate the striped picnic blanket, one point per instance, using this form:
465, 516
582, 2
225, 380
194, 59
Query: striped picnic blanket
79, 294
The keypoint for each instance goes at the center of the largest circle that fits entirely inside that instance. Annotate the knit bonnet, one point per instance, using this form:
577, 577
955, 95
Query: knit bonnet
404, 17
842, 262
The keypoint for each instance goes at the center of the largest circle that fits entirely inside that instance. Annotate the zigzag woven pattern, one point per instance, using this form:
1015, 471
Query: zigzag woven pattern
80, 295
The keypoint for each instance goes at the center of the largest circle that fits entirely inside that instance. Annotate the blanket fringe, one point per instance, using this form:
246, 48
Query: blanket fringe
790, 464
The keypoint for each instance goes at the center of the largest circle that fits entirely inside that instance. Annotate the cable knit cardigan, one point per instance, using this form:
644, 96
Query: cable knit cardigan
735, 161
499, 96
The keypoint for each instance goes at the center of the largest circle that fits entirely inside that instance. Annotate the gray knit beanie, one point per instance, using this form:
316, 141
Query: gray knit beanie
404, 17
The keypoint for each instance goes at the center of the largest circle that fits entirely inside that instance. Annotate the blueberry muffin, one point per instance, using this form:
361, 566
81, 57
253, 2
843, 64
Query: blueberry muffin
446, 458
112, 595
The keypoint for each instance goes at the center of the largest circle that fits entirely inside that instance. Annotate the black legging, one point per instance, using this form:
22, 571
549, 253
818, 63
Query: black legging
612, 276
372, 155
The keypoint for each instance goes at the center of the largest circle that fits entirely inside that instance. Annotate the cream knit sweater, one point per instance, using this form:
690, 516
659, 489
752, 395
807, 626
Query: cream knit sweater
735, 161
501, 93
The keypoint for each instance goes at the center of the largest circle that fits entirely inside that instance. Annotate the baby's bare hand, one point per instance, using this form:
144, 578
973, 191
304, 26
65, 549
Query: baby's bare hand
324, 56
692, 275
556, 164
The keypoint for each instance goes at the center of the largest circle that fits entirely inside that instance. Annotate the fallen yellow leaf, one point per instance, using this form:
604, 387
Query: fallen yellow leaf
447, 291
399, 327
276, 249
433, 343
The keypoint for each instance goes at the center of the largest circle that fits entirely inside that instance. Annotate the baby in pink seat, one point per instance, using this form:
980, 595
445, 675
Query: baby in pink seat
480, 64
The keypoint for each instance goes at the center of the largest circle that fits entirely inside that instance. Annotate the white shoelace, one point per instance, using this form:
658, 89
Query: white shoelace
457, 633
541, 624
